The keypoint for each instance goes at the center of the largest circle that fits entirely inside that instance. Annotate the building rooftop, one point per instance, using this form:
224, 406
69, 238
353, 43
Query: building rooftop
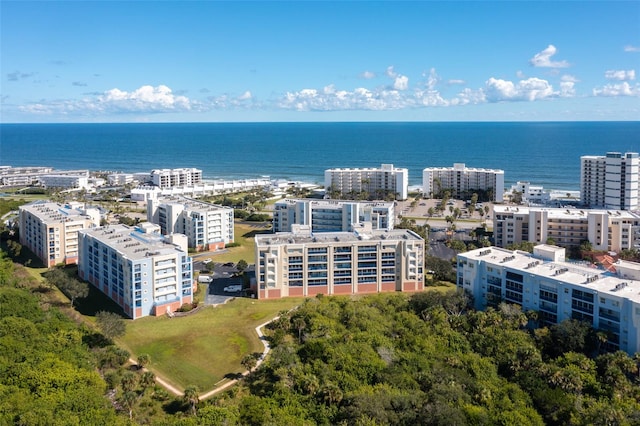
50, 212
588, 276
566, 213
134, 242
191, 204
336, 237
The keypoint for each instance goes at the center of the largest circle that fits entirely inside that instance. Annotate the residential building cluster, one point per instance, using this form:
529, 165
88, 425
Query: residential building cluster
558, 290
306, 263
144, 272
610, 230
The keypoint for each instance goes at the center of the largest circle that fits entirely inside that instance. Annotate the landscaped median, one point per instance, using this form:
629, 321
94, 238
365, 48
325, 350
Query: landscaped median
203, 349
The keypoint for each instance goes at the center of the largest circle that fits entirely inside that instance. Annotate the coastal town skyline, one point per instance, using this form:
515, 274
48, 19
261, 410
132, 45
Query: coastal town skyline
319, 61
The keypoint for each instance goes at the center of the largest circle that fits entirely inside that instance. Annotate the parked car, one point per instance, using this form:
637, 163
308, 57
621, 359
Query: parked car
232, 288
207, 260
205, 279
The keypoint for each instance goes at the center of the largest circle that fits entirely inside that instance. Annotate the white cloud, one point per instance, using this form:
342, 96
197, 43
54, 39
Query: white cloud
620, 75
621, 89
531, 89
390, 72
543, 59
630, 48
401, 83
245, 96
432, 79
453, 82
520, 74
368, 75
144, 99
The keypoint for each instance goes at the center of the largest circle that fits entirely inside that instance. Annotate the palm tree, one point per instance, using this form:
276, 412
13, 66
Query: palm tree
128, 399
191, 396
143, 360
147, 379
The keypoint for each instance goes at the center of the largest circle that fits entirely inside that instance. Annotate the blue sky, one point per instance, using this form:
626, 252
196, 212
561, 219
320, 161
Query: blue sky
210, 61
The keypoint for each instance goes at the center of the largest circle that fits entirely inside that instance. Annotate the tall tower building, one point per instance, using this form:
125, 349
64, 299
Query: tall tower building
610, 181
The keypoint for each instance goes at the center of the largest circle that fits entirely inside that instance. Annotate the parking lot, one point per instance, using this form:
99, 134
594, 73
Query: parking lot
223, 276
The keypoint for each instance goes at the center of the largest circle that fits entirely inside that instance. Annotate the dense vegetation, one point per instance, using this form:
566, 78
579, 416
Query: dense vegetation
426, 359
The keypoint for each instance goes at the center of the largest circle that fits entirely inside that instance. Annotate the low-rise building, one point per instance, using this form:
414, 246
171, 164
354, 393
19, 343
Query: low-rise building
303, 263
143, 271
50, 230
611, 230
17, 176
558, 290
207, 226
332, 215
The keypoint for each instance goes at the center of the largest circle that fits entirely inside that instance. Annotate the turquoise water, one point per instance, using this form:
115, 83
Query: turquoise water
545, 154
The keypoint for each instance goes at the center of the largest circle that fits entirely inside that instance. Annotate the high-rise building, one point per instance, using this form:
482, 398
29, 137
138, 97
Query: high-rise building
143, 271
50, 230
557, 290
463, 181
610, 181
207, 226
332, 215
302, 263
378, 183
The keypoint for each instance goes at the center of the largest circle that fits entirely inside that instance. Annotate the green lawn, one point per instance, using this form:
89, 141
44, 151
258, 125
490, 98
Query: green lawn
244, 235
202, 348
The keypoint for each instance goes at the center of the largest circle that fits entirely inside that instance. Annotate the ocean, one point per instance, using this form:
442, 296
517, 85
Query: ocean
543, 153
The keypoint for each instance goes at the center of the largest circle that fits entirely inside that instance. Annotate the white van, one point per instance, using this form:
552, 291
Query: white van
232, 288
205, 279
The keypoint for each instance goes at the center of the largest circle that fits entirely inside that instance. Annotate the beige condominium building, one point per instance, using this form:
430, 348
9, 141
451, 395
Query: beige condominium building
377, 183
612, 230
302, 263
50, 230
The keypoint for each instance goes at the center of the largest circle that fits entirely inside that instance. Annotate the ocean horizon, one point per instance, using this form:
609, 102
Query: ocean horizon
543, 153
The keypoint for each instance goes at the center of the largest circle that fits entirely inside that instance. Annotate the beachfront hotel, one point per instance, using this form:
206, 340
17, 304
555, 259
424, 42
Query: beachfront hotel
143, 271
50, 230
463, 181
558, 290
377, 183
332, 215
169, 178
609, 230
207, 226
610, 181
304, 263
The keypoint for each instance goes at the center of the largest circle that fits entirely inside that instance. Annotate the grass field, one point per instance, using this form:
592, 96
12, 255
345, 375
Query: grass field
244, 235
206, 347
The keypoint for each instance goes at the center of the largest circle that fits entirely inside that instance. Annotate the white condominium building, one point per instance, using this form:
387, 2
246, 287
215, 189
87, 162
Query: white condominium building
557, 290
614, 230
50, 230
80, 181
610, 181
381, 183
168, 178
332, 215
142, 271
463, 181
10, 176
207, 226
302, 263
